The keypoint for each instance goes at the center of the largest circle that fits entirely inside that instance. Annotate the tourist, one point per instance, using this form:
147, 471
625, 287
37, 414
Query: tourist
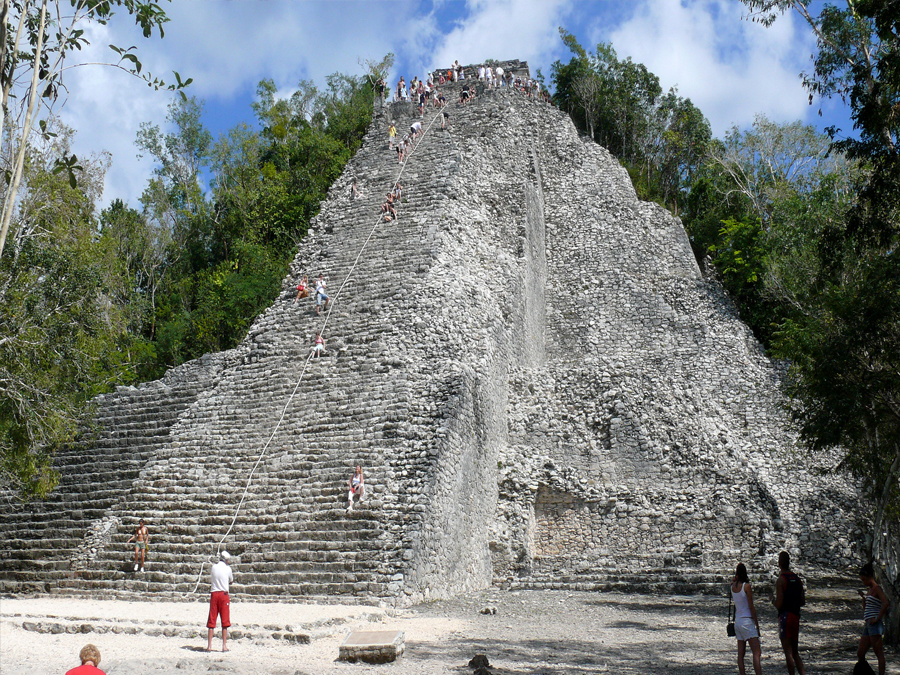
499, 76
219, 602
489, 77
746, 625
481, 72
354, 192
303, 286
397, 192
321, 294
789, 598
464, 94
415, 129
875, 607
90, 660
140, 538
388, 206
445, 120
318, 345
392, 136
356, 488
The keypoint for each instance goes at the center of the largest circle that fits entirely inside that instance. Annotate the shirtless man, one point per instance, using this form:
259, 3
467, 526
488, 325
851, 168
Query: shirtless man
789, 598
140, 538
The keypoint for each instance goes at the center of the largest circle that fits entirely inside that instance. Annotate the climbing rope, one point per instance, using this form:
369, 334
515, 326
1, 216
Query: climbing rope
290, 399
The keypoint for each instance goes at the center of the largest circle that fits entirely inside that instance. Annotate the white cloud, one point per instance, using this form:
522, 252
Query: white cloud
730, 68
504, 29
106, 107
226, 47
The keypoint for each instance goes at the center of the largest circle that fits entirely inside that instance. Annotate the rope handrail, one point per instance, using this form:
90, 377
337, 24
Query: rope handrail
310, 356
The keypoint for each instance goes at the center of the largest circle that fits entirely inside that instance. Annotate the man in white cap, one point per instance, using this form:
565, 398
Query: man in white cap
219, 602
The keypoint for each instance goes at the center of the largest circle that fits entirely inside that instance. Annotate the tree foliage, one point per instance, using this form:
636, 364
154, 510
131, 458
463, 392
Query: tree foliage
661, 138
88, 300
37, 39
230, 242
844, 338
63, 322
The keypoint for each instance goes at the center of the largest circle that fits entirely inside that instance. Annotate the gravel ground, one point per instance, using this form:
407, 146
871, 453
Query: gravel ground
532, 632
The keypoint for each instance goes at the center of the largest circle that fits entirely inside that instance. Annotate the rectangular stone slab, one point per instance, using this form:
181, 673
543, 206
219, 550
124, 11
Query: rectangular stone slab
372, 646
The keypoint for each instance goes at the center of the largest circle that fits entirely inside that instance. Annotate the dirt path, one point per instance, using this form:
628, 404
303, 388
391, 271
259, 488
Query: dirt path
532, 633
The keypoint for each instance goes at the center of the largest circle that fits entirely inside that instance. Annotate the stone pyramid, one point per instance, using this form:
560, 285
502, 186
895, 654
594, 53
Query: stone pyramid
542, 387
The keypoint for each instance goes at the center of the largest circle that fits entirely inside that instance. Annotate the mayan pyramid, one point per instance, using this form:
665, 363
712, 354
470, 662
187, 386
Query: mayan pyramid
542, 387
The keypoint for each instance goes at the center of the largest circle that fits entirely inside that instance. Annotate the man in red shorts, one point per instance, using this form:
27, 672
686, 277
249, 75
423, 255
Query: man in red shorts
219, 602
789, 598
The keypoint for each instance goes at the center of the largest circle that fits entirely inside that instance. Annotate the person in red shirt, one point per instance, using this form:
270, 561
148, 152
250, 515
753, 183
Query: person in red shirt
90, 659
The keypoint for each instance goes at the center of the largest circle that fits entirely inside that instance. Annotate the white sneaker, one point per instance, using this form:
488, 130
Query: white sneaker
135, 567
349, 508
142, 569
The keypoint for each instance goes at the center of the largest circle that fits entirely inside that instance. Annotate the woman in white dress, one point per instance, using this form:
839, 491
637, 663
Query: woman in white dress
746, 625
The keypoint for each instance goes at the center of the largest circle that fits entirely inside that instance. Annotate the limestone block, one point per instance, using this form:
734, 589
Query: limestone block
381, 646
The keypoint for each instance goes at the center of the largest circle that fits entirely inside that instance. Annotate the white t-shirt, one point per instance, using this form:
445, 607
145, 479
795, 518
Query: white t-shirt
416, 126
220, 576
480, 72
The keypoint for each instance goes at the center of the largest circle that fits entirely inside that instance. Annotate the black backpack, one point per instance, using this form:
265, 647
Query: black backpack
794, 595
862, 667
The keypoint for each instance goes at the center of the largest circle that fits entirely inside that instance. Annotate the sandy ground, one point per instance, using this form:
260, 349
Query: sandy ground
533, 632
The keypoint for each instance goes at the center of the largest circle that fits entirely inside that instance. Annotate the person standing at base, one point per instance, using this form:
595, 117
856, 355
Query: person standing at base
746, 625
140, 538
875, 607
90, 660
220, 577
789, 598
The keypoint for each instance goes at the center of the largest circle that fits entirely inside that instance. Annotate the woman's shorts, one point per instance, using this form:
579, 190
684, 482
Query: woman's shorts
873, 629
745, 629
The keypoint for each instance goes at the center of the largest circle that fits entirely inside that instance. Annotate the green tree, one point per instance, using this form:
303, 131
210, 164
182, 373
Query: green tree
661, 139
36, 39
229, 246
63, 329
843, 342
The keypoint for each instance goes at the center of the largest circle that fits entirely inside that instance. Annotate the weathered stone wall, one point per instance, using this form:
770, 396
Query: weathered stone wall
541, 387
42, 542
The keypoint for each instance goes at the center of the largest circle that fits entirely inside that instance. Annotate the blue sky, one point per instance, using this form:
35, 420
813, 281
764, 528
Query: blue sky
731, 68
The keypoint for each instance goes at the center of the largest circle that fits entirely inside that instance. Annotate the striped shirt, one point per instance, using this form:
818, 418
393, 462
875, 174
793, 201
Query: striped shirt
873, 608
